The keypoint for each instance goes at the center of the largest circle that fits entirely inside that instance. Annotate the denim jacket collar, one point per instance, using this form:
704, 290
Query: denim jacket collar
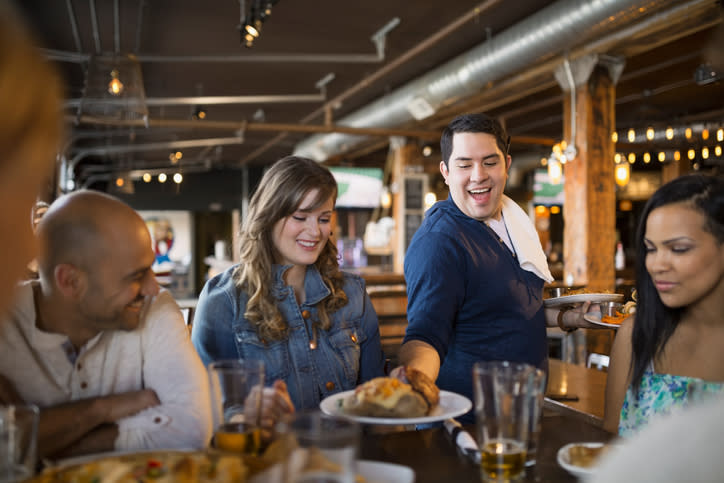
314, 287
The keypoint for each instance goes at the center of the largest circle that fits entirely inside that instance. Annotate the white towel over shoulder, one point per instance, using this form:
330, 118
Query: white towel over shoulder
525, 240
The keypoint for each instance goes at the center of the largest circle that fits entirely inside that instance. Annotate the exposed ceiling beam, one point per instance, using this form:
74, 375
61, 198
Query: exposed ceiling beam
254, 126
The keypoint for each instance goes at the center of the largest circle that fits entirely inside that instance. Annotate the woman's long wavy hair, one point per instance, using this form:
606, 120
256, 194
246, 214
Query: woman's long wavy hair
279, 194
655, 322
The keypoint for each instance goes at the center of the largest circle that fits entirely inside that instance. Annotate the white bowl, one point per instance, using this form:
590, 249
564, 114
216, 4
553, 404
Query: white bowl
564, 459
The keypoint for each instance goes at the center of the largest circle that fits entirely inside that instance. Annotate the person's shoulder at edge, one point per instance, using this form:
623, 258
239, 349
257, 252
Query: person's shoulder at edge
685, 446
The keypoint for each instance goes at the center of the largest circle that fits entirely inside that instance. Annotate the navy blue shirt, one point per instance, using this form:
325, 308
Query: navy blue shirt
468, 297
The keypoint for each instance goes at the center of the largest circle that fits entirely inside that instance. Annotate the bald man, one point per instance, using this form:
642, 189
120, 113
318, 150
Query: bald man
96, 345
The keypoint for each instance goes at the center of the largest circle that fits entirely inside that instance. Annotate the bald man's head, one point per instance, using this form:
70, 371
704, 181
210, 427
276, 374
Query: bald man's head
83, 229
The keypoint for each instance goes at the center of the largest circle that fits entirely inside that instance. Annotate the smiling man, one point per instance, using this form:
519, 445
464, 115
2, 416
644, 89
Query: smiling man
475, 269
95, 344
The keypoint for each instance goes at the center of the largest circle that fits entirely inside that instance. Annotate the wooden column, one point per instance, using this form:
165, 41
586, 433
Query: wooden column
589, 212
402, 156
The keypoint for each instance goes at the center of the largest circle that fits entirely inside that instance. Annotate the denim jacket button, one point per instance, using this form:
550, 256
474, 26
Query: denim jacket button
329, 385
354, 338
306, 314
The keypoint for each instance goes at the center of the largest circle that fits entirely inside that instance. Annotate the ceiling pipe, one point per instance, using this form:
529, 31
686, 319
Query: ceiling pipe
73, 25
139, 26
254, 126
94, 24
210, 100
695, 15
378, 39
116, 27
550, 32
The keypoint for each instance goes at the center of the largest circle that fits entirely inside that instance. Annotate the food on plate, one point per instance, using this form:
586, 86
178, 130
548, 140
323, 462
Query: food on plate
390, 397
157, 467
585, 456
614, 319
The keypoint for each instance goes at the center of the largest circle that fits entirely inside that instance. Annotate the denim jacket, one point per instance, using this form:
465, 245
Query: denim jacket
346, 355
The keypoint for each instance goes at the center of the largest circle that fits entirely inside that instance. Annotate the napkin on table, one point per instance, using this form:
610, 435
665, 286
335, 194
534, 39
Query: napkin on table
462, 439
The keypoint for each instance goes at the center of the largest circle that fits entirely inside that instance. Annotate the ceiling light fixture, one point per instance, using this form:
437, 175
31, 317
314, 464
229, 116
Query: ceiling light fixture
177, 178
251, 21
555, 170
199, 113
622, 174
162, 178
631, 135
115, 86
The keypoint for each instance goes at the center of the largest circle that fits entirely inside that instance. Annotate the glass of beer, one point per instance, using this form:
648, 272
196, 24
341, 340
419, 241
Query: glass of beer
236, 392
504, 394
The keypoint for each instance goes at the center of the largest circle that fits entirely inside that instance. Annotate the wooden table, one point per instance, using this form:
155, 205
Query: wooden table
435, 458
589, 385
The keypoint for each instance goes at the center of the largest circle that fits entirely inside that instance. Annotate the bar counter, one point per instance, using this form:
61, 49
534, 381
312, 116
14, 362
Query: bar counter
435, 458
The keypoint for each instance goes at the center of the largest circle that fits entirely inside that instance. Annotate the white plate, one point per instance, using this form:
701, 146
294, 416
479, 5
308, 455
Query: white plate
451, 405
371, 471
89, 458
565, 461
379, 472
583, 297
595, 320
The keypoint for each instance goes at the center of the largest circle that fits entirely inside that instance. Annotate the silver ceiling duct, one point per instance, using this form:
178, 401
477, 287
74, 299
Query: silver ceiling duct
550, 32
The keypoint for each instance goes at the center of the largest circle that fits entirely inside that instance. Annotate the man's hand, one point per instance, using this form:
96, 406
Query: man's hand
418, 355
8, 394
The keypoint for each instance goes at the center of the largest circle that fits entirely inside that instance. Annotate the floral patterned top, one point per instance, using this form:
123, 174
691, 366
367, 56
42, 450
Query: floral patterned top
660, 394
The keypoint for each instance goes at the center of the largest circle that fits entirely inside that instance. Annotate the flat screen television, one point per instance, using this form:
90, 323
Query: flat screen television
358, 187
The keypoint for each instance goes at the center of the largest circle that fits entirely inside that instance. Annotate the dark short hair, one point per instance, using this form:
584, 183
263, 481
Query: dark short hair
473, 123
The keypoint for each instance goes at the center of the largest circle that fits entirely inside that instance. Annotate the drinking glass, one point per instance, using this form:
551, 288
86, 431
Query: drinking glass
325, 448
538, 388
236, 392
18, 442
504, 395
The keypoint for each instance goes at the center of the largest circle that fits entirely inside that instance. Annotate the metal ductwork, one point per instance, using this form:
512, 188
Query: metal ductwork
552, 31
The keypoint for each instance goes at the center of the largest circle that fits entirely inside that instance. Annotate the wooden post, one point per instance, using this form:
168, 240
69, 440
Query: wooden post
403, 155
589, 212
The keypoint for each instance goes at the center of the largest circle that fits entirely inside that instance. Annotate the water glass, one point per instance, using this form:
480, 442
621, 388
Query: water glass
236, 392
504, 394
18, 442
325, 448
536, 408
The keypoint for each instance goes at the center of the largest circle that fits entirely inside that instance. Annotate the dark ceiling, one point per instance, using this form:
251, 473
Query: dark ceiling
189, 49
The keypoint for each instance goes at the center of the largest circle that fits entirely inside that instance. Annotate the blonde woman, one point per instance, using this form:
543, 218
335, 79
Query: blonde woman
286, 302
